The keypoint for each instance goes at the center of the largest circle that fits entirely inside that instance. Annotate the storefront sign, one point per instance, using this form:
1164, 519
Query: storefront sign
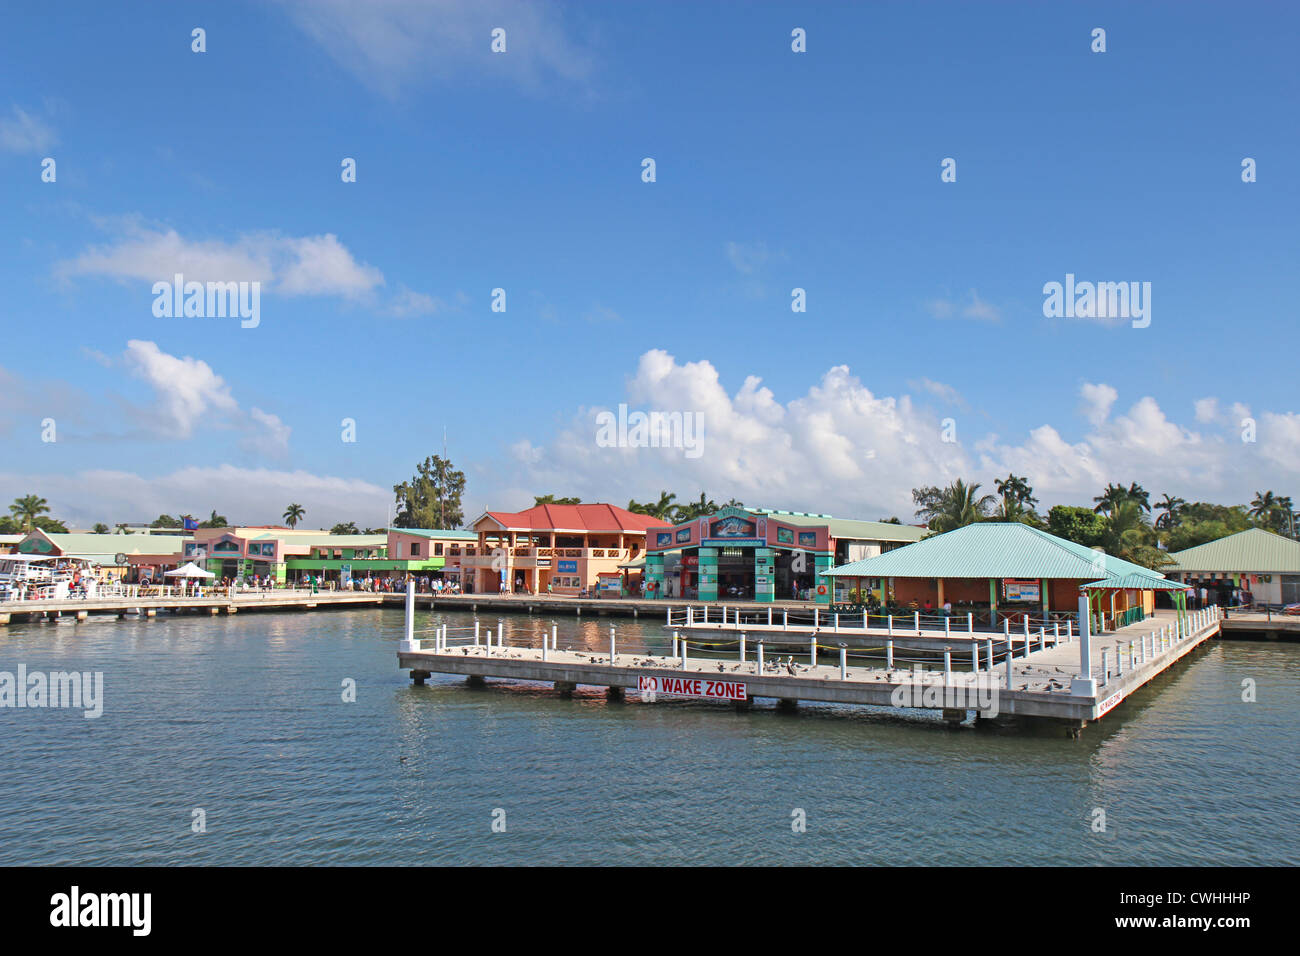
702, 687
567, 567
733, 543
1021, 590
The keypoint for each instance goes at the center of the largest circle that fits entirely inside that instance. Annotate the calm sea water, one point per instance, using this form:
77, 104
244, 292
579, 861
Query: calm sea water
243, 717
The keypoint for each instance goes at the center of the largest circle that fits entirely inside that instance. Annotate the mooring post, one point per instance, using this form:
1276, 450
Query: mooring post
889, 653
685, 642
947, 666
866, 624
1105, 665
890, 623
545, 645
1008, 661
476, 625
555, 646
816, 612
488, 645
988, 654
1069, 629
758, 664
611, 643
676, 637
844, 661
742, 648
946, 635
669, 622
812, 650
1132, 655
1083, 684
409, 643
1056, 634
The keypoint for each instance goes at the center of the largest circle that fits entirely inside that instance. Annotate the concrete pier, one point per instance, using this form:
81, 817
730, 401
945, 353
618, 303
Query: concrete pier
1042, 684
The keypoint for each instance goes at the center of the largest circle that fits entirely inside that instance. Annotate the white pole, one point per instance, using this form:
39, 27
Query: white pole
891, 625
946, 635
916, 621
1008, 661
889, 653
683, 650
611, 644
409, 643
545, 642
742, 648
812, 650
758, 664
785, 619
769, 617
837, 622
489, 643
974, 657
816, 617
1085, 642
970, 622
988, 654
675, 639
555, 644
1042, 638
844, 663
669, 622
947, 666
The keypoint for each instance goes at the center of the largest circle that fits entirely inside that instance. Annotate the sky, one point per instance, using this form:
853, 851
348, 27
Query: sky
924, 352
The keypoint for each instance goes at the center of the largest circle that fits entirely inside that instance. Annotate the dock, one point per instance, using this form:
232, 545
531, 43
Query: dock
213, 601
1067, 683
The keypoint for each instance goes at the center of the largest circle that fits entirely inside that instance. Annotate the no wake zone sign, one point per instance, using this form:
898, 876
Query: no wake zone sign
701, 687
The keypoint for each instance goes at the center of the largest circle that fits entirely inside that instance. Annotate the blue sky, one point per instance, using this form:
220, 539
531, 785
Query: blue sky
522, 170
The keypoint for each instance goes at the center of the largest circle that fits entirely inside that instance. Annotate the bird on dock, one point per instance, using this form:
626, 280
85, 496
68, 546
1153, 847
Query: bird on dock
722, 667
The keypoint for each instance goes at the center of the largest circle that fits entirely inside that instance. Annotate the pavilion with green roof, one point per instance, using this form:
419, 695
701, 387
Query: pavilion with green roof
1011, 570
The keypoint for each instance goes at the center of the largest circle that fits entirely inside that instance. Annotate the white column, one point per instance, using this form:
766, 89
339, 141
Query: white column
812, 651
758, 664
916, 621
611, 644
742, 648
988, 654
970, 623
1084, 683
947, 666
889, 653
844, 663
409, 643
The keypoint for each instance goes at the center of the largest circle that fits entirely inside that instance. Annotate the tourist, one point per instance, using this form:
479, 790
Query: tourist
947, 608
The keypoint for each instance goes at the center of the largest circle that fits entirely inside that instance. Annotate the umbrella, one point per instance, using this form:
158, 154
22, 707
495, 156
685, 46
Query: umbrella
190, 570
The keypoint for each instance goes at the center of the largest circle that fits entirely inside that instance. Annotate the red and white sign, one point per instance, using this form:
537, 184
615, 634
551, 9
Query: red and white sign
1109, 703
699, 687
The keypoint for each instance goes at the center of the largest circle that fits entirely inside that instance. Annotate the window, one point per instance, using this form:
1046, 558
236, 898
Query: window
415, 549
437, 548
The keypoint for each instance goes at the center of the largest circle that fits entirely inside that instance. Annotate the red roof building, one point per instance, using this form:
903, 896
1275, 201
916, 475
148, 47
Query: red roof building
556, 549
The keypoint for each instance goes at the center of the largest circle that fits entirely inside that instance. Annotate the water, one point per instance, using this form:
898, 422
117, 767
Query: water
243, 717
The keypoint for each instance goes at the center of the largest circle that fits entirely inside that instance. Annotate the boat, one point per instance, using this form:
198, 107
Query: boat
36, 577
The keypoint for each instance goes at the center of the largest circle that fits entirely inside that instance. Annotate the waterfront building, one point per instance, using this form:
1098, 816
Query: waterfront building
1259, 562
113, 554
291, 554
560, 549
9, 543
1009, 570
757, 554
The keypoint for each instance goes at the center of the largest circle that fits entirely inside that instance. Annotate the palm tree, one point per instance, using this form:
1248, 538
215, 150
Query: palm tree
1128, 536
1114, 495
293, 514
99, 528
1173, 508
215, 521
696, 509
1017, 497
662, 509
349, 527
27, 509
1270, 510
953, 507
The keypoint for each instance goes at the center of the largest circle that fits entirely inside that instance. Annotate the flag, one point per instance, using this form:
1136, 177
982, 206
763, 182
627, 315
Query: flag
190, 523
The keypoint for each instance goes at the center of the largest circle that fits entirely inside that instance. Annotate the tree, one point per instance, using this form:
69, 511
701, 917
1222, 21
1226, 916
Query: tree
1172, 508
1128, 536
215, 521
663, 509
51, 526
165, 521
956, 506
99, 528
347, 528
1114, 495
1080, 525
27, 509
696, 509
1272, 511
552, 500
431, 499
1017, 497
293, 514
120, 527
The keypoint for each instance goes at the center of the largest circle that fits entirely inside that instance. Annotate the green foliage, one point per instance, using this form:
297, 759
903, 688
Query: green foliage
1080, 525
349, 527
27, 509
431, 499
166, 521
293, 514
955, 506
552, 500
100, 528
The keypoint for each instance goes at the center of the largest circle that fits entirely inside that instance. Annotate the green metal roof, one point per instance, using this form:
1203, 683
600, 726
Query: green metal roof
993, 549
847, 528
95, 545
328, 540
1137, 582
1251, 551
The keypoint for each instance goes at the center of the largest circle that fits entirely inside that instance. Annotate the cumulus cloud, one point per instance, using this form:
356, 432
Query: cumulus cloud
21, 132
1097, 401
392, 45
843, 448
305, 265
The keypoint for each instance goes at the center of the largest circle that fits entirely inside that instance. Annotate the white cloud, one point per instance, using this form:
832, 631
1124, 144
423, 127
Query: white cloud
1207, 410
407, 303
305, 265
188, 392
246, 495
844, 449
23, 133
975, 308
945, 393
391, 45
1097, 401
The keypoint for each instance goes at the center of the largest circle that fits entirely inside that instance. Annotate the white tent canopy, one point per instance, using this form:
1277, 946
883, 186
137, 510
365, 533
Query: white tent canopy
190, 570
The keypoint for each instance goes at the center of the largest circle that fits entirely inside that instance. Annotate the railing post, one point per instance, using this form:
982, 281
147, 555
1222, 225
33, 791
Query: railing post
684, 643
612, 646
916, 621
844, 662
889, 653
970, 623
891, 625
947, 666
1008, 663
988, 654
812, 651
742, 648
488, 646
758, 664
1042, 638
974, 657
946, 635
785, 619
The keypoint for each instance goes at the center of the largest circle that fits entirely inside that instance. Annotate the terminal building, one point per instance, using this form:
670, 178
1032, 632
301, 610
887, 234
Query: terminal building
756, 554
1264, 565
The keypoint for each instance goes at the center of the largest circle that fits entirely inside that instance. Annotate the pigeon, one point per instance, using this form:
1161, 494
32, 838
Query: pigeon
722, 667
